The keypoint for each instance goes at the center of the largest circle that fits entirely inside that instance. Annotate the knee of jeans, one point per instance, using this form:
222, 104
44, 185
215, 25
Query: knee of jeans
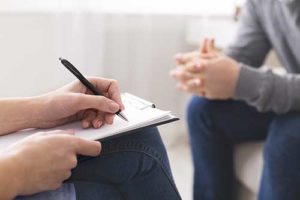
199, 106
199, 111
139, 165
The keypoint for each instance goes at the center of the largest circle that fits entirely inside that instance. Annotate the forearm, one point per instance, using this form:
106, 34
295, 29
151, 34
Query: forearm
268, 91
8, 182
17, 114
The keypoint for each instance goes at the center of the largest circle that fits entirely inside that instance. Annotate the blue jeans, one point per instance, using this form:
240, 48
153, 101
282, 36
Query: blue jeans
215, 126
132, 167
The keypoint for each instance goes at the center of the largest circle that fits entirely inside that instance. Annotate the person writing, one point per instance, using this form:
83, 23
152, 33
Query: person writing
45, 165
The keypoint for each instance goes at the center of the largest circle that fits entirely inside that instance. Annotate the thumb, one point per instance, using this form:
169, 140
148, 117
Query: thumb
87, 147
203, 46
68, 132
99, 103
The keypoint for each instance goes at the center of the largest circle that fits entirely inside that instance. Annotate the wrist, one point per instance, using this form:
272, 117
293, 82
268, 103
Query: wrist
30, 109
234, 76
36, 113
18, 114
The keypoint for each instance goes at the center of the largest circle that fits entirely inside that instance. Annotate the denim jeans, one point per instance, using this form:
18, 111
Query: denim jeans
132, 167
215, 126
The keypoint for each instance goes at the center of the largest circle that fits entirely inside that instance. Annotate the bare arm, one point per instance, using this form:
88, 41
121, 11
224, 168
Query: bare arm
17, 114
24, 168
8, 182
69, 103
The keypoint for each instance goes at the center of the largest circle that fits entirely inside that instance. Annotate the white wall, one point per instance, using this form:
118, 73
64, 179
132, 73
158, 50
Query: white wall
30, 45
137, 50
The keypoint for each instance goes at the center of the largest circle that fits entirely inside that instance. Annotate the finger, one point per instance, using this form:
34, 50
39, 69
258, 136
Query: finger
99, 103
208, 56
203, 46
109, 118
181, 74
115, 95
210, 45
109, 86
195, 86
62, 175
66, 175
198, 91
89, 116
68, 132
87, 147
177, 59
207, 45
98, 121
71, 162
198, 67
186, 57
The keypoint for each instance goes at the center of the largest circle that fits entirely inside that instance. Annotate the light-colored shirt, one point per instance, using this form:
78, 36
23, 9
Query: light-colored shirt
265, 25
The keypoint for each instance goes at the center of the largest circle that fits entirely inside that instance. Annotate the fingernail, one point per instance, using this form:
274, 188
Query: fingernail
86, 124
198, 66
197, 82
99, 123
178, 56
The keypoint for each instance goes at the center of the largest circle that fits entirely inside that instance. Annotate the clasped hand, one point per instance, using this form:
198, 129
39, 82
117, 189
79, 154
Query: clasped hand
206, 72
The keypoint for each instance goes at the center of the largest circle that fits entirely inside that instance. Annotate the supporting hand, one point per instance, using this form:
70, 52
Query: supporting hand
41, 162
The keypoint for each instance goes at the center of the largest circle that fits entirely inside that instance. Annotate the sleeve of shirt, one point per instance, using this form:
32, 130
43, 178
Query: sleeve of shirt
251, 45
260, 88
267, 91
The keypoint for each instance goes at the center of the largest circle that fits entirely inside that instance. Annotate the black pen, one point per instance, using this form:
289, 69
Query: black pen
85, 82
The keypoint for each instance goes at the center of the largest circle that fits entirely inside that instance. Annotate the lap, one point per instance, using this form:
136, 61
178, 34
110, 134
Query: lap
130, 164
233, 119
124, 162
128, 150
240, 122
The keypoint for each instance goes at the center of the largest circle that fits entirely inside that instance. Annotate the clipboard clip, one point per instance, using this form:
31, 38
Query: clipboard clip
136, 102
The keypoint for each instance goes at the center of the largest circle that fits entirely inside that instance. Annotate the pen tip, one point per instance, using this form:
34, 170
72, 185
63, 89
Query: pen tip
123, 117
60, 58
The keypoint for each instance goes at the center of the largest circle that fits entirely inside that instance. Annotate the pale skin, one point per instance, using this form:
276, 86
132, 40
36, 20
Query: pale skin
206, 72
42, 162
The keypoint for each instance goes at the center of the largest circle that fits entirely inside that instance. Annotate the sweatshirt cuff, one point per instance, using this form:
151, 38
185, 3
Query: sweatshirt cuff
249, 83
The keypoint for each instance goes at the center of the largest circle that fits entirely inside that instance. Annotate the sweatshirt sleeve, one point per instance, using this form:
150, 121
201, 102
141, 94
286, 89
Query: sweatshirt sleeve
251, 44
267, 91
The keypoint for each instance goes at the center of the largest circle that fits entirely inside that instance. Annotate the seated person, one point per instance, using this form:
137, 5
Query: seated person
235, 102
45, 166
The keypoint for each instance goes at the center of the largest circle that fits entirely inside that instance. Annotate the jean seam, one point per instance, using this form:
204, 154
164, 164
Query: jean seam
158, 160
140, 147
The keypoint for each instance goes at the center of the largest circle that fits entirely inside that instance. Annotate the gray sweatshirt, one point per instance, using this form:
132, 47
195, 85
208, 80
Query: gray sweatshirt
266, 25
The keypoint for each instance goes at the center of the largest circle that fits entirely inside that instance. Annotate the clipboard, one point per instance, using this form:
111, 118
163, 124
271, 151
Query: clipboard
141, 104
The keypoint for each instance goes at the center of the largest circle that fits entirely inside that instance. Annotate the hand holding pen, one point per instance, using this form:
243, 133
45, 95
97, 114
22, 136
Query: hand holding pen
87, 83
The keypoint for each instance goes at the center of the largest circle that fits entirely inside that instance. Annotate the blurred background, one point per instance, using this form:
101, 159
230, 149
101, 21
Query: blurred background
133, 41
